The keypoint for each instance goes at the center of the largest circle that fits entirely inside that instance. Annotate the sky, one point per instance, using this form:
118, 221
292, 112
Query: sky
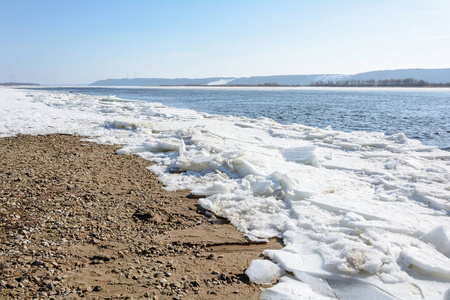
79, 42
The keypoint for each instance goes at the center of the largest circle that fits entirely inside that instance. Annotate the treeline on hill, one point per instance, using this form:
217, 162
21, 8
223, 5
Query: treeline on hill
407, 82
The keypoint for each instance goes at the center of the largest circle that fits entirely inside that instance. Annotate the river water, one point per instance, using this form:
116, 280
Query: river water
422, 114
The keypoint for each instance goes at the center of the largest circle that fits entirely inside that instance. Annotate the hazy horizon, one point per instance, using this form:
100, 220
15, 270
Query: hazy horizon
190, 77
53, 42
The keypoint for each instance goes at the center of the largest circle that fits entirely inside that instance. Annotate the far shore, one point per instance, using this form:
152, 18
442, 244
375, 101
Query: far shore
237, 87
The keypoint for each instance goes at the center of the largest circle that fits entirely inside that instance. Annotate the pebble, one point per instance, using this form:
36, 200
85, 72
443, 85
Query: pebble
97, 288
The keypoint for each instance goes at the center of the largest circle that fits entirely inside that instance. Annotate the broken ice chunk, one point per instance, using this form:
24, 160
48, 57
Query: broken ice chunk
436, 265
440, 238
263, 272
290, 288
302, 155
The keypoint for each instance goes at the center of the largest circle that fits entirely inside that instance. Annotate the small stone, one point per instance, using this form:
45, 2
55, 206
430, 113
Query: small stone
38, 262
176, 285
25, 282
195, 283
12, 284
163, 281
97, 288
69, 203
101, 257
143, 214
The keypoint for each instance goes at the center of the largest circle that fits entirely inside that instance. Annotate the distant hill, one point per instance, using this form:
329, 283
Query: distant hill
18, 84
285, 79
160, 81
428, 75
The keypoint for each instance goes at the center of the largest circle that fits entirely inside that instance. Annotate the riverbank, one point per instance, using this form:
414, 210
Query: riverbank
359, 212
77, 220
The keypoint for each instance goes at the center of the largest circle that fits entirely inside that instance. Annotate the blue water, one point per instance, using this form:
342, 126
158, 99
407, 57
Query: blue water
421, 114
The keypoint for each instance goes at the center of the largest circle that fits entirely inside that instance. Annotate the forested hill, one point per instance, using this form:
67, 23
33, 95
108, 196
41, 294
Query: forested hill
428, 75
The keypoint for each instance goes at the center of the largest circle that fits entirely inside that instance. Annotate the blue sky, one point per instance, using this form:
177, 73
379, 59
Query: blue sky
78, 42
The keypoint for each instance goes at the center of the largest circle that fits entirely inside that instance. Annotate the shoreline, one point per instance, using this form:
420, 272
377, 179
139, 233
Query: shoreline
328, 194
77, 220
231, 87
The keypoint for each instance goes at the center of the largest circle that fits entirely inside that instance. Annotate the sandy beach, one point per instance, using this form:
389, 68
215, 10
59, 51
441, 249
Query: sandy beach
78, 220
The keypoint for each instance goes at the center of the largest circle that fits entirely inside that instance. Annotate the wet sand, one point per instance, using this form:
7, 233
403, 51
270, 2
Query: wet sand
77, 220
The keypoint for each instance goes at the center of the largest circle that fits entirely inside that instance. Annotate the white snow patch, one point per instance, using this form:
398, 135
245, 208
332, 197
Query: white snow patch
220, 82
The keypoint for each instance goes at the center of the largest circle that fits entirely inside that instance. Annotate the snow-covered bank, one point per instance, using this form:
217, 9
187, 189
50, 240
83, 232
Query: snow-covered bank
361, 214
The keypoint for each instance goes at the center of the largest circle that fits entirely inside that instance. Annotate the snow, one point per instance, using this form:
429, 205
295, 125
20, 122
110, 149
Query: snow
221, 81
361, 214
